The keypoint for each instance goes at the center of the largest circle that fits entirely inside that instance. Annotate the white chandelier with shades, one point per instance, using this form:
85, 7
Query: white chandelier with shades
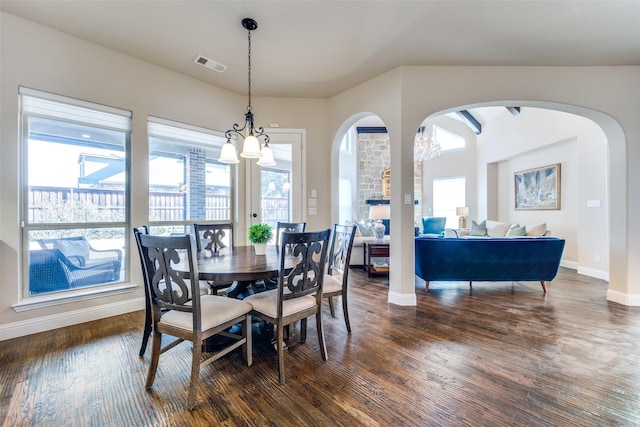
425, 146
251, 147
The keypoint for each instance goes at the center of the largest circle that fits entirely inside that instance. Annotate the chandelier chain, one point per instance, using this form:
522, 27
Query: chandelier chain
249, 72
252, 147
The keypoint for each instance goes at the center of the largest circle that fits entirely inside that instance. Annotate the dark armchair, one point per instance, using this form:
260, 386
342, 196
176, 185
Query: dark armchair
79, 251
50, 270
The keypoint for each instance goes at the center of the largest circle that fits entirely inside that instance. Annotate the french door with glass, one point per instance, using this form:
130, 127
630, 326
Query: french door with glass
276, 193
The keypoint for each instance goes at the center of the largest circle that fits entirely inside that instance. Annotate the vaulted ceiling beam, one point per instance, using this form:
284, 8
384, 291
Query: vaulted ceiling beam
471, 121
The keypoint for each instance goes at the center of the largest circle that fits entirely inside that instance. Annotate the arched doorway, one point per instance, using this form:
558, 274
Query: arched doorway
362, 157
616, 203
527, 138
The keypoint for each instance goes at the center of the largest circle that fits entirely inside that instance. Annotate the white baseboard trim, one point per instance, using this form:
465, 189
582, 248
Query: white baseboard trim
47, 323
623, 298
402, 299
569, 264
591, 272
585, 271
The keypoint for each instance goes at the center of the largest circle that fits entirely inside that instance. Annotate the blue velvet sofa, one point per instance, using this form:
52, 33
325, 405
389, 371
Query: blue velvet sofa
488, 259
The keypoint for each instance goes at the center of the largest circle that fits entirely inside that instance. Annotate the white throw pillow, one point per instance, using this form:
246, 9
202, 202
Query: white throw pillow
350, 223
536, 229
364, 228
497, 228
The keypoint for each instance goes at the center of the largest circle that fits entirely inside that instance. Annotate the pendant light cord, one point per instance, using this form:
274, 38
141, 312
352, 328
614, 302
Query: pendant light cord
249, 72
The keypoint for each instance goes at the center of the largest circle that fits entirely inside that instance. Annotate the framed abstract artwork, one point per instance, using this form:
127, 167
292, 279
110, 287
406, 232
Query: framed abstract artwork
538, 188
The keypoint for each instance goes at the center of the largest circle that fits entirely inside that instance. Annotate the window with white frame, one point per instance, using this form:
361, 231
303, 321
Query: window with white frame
345, 144
448, 140
344, 201
448, 194
187, 184
75, 197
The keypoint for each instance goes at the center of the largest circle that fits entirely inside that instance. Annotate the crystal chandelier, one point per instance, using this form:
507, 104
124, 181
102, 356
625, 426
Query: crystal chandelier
251, 148
425, 147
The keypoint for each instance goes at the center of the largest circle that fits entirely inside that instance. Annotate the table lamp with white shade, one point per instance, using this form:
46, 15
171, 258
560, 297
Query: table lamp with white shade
378, 213
462, 212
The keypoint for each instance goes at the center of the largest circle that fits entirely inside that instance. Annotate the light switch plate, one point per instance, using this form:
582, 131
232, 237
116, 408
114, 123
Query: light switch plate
313, 211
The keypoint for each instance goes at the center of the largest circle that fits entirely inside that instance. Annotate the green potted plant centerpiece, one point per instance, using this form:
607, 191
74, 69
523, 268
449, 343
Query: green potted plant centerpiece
259, 235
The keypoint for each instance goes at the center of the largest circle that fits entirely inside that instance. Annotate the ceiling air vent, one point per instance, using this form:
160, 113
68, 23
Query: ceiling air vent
210, 63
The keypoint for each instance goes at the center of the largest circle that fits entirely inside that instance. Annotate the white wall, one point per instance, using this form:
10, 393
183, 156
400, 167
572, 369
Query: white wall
38, 57
562, 223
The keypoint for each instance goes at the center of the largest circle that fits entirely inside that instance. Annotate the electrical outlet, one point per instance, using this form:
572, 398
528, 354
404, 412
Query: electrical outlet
596, 258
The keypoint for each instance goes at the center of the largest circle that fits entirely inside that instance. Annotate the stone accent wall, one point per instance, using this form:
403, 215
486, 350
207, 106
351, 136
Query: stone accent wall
373, 159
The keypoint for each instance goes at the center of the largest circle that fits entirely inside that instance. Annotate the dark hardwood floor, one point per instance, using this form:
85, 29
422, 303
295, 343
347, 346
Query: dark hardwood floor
499, 354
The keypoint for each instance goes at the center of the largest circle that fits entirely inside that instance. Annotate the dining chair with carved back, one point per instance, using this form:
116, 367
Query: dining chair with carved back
213, 237
148, 324
179, 310
146, 332
288, 227
336, 280
298, 294
284, 227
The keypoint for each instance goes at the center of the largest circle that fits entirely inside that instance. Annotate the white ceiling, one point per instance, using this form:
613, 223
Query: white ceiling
320, 48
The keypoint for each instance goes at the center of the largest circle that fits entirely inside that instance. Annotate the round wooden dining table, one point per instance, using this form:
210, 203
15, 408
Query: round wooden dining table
242, 265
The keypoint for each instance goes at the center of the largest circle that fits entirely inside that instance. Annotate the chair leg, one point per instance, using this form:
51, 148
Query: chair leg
280, 346
146, 333
544, 286
156, 344
195, 374
331, 307
147, 324
323, 347
303, 330
247, 348
345, 311
287, 332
